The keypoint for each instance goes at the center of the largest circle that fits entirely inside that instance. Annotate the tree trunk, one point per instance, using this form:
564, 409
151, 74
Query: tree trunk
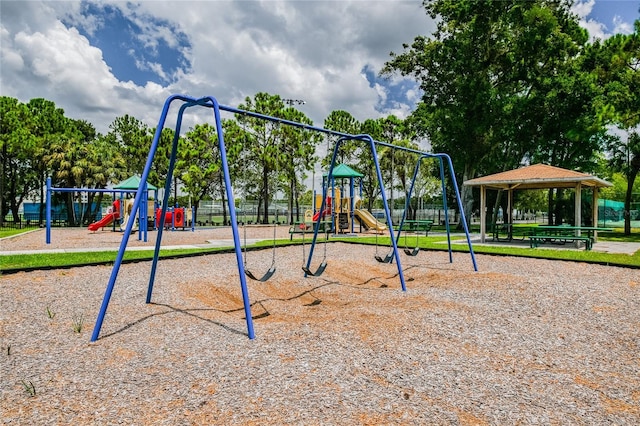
467, 193
557, 208
2, 174
496, 208
627, 200
550, 207
265, 183
93, 214
41, 211
223, 192
292, 196
15, 206
71, 214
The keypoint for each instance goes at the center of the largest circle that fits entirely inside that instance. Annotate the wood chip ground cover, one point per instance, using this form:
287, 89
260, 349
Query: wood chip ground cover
522, 341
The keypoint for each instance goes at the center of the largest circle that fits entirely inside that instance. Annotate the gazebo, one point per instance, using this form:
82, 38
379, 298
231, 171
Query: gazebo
538, 176
133, 183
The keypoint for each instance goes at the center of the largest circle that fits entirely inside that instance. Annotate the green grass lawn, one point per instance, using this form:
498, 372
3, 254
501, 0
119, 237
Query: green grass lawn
64, 260
439, 243
8, 232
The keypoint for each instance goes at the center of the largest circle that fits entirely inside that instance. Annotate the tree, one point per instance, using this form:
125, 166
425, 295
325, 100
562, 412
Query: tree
370, 186
262, 144
133, 139
28, 131
297, 157
495, 77
160, 166
68, 158
617, 66
343, 122
48, 126
200, 164
16, 145
106, 165
396, 165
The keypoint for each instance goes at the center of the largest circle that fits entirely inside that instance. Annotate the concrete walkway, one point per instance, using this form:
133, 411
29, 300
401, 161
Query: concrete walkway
457, 238
210, 244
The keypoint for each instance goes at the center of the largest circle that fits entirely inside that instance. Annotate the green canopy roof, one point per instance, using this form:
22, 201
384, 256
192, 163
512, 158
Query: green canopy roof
133, 183
344, 171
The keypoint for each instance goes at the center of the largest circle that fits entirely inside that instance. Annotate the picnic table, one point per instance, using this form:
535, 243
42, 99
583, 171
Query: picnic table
417, 226
561, 234
507, 232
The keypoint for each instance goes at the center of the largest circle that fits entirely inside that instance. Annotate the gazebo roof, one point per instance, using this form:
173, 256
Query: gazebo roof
133, 183
538, 176
344, 171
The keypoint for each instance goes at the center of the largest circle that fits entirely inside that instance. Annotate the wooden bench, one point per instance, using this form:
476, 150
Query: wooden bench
536, 240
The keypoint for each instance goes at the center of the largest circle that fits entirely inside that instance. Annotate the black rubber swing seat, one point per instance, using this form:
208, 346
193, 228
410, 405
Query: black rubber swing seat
413, 252
264, 278
387, 259
318, 271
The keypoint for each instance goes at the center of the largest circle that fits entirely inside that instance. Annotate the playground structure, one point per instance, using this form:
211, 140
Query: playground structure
122, 208
344, 211
212, 103
112, 216
175, 217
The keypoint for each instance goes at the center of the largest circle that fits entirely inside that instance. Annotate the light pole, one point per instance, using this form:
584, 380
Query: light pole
292, 102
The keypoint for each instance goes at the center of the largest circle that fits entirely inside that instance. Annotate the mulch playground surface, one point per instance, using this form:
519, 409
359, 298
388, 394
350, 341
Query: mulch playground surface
521, 341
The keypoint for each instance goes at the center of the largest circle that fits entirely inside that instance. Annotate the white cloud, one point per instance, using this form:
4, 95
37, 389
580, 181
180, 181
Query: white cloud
312, 50
596, 29
583, 8
620, 26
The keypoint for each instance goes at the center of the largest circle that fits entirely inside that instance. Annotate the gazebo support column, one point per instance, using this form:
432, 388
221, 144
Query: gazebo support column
510, 205
578, 206
594, 210
483, 213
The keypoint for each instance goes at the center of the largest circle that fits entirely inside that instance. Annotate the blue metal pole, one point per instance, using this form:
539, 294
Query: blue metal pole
125, 239
408, 199
234, 221
446, 207
48, 213
387, 211
351, 202
316, 225
462, 215
333, 205
144, 211
167, 190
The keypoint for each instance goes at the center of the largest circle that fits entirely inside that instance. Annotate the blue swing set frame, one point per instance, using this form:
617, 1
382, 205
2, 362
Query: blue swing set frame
211, 102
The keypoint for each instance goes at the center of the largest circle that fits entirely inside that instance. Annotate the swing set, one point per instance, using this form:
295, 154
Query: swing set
212, 103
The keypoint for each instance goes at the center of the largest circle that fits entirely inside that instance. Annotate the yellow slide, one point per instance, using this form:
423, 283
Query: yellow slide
369, 221
128, 206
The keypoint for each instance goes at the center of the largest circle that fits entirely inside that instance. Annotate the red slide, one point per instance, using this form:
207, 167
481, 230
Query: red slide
108, 218
105, 221
317, 215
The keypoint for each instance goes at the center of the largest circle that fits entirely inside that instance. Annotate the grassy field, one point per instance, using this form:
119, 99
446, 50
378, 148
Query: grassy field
11, 263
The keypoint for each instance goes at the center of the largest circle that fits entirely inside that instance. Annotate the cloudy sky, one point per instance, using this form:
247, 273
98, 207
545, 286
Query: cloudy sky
101, 60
